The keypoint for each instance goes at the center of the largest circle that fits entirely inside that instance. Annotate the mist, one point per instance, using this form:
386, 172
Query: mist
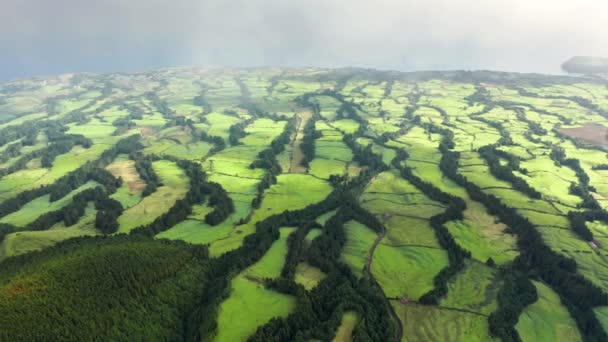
40, 37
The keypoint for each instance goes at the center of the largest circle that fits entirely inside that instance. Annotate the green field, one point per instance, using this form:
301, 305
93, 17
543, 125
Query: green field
547, 319
348, 323
239, 315
175, 185
359, 241
303, 204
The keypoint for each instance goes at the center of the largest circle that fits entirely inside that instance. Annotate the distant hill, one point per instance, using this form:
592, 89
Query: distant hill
586, 65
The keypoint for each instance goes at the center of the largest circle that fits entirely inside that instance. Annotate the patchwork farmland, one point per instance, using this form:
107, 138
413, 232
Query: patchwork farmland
304, 205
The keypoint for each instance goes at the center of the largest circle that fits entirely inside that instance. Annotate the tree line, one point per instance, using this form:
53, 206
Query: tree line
504, 172
71, 180
200, 189
454, 211
577, 293
267, 160
58, 143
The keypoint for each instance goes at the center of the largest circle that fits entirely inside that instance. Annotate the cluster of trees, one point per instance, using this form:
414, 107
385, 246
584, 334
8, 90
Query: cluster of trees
59, 143
505, 172
454, 210
296, 249
143, 166
11, 151
516, 293
71, 180
169, 114
202, 102
533, 126
218, 142
220, 201
123, 124
579, 225
27, 131
318, 313
583, 189
267, 160
160, 105
480, 95
581, 101
200, 188
578, 294
364, 155
308, 142
505, 136
109, 208
237, 131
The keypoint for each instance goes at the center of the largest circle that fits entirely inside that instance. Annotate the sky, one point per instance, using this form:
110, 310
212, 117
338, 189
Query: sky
42, 37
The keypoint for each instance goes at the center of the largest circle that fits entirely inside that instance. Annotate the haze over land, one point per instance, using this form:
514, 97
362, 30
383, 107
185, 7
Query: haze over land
44, 37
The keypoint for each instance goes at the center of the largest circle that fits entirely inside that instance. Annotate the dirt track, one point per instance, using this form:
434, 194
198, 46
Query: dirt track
297, 156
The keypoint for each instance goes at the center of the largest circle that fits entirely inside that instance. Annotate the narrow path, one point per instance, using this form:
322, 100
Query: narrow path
297, 155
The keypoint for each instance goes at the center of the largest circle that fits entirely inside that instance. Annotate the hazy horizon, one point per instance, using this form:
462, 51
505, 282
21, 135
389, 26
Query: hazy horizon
47, 38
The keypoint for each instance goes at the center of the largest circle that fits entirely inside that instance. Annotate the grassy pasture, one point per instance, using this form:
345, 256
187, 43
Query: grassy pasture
27, 179
308, 276
41, 206
359, 241
547, 319
407, 271
347, 325
240, 314
132, 186
285, 195
175, 186
27, 241
429, 323
474, 289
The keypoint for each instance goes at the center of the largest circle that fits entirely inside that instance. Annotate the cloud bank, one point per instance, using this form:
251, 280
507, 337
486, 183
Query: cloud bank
46, 37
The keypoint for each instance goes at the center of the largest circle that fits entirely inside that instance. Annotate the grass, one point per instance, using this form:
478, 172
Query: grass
407, 271
431, 323
308, 276
347, 325
27, 241
240, 314
323, 218
313, 234
27, 179
129, 193
42, 205
175, 186
602, 315
271, 264
474, 289
547, 319
359, 240
291, 192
